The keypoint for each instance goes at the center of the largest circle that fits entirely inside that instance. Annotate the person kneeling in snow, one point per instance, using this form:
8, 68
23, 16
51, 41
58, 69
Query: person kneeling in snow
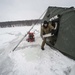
45, 29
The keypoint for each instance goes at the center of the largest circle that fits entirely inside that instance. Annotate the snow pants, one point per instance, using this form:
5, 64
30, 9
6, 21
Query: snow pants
45, 40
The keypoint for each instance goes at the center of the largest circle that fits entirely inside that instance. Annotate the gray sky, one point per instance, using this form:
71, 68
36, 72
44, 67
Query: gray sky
11, 10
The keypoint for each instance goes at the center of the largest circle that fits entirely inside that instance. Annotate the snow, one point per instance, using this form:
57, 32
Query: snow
73, 71
28, 58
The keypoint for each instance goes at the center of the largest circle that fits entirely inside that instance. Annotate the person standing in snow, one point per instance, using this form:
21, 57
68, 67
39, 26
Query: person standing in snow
45, 29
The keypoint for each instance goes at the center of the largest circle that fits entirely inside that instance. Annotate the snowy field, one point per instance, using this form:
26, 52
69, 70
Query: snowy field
28, 58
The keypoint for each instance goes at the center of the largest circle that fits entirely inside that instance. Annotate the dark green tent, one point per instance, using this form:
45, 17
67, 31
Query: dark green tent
65, 41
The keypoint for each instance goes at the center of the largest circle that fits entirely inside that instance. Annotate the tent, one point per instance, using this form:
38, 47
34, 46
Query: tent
65, 35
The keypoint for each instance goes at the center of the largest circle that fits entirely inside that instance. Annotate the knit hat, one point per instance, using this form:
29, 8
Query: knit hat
45, 22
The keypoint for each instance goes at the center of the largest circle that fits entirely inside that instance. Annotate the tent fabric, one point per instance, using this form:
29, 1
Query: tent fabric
66, 35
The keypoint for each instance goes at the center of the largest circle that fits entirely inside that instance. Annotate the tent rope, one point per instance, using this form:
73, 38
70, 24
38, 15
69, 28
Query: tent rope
27, 33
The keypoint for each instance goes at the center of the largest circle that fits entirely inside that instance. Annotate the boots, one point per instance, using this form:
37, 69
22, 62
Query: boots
42, 48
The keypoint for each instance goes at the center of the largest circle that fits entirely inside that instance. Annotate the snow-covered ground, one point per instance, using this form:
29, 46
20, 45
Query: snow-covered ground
28, 58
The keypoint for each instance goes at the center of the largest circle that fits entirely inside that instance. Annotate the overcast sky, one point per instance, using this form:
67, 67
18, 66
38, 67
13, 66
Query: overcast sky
11, 10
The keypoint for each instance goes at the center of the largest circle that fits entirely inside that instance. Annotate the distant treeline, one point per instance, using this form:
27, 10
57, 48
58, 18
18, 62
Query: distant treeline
19, 23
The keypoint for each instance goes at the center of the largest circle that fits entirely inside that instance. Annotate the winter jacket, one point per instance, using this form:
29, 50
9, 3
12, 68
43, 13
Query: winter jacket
46, 30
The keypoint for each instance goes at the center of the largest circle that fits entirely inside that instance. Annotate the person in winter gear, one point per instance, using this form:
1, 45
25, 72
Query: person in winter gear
45, 29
